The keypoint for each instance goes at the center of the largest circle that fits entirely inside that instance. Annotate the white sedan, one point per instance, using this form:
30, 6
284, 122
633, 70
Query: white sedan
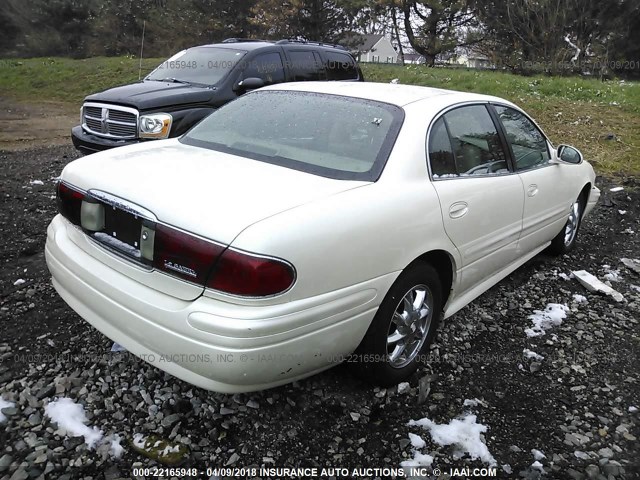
307, 224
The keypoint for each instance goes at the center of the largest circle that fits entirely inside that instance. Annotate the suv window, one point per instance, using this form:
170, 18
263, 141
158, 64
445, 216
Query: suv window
267, 66
528, 144
304, 66
440, 152
476, 145
340, 66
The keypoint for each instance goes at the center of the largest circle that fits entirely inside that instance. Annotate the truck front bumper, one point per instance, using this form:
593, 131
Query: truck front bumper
89, 143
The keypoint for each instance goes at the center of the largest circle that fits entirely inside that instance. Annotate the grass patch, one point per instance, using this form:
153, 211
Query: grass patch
581, 111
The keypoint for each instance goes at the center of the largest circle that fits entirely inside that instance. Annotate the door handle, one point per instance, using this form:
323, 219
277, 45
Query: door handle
532, 190
458, 209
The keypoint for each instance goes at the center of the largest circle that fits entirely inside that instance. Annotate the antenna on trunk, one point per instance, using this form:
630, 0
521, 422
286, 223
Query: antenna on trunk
144, 24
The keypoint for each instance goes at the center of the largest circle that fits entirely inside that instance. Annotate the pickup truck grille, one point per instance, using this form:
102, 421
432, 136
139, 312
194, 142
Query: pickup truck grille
110, 121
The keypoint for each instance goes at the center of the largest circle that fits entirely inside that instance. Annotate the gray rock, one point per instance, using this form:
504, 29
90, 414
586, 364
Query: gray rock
9, 411
35, 419
605, 452
5, 461
19, 474
170, 420
592, 471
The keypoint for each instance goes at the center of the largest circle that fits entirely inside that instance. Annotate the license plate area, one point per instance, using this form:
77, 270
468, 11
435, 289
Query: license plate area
120, 226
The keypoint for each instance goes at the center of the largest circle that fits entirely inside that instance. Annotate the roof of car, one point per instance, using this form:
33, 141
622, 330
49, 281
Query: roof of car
396, 94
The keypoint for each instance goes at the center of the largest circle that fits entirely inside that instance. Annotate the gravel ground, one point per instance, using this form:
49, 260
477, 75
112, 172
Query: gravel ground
576, 406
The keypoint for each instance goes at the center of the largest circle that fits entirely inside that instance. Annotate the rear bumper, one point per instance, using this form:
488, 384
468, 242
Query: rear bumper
88, 143
198, 341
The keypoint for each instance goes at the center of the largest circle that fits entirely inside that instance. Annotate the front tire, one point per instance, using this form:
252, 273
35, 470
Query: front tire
402, 329
565, 241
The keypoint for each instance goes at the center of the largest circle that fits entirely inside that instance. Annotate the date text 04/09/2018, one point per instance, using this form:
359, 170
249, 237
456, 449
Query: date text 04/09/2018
307, 472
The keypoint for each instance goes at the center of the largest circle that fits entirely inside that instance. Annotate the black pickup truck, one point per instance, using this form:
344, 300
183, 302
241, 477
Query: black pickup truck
191, 84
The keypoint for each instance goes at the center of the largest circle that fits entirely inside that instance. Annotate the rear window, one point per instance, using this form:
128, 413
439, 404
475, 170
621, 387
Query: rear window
341, 66
329, 135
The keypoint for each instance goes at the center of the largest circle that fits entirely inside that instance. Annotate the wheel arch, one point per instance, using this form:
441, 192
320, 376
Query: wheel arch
584, 194
444, 264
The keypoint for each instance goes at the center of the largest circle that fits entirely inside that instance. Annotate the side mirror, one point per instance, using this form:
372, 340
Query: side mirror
250, 83
569, 154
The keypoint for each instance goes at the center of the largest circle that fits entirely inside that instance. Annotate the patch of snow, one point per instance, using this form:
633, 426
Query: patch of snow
5, 404
117, 244
139, 440
115, 449
530, 354
628, 231
622, 212
70, 417
537, 466
473, 403
417, 441
418, 460
19, 281
543, 320
579, 298
564, 276
463, 433
633, 409
537, 454
616, 189
36, 182
51, 343
613, 275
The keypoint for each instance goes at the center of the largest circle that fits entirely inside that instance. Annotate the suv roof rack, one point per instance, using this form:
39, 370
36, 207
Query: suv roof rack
237, 39
322, 44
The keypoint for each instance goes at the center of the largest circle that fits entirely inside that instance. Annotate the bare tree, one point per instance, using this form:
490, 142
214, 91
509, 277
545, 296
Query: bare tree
437, 26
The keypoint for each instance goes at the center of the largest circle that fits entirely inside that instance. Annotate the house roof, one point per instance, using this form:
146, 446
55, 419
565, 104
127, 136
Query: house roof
361, 43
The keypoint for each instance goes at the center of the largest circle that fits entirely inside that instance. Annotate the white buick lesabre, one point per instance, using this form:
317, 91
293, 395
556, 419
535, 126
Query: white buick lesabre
309, 223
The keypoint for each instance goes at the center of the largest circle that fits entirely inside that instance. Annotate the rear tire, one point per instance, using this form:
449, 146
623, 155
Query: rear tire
402, 329
565, 241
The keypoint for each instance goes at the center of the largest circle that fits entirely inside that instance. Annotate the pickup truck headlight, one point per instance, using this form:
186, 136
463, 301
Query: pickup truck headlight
157, 125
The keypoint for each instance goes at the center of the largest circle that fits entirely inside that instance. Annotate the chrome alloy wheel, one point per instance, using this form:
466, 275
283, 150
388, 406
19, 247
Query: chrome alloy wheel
571, 229
409, 326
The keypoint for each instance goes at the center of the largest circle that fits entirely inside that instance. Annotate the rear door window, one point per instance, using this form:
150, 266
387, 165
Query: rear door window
304, 66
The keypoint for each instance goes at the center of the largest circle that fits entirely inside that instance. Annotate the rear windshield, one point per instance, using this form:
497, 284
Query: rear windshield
199, 65
329, 135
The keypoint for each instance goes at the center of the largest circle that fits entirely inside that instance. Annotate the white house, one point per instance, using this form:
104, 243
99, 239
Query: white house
372, 49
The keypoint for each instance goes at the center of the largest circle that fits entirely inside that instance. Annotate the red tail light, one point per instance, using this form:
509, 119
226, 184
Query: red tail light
184, 255
244, 274
69, 202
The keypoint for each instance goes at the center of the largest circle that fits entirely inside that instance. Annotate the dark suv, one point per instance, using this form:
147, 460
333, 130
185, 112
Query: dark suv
188, 86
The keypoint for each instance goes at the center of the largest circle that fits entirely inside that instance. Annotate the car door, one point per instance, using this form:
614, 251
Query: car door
547, 196
480, 198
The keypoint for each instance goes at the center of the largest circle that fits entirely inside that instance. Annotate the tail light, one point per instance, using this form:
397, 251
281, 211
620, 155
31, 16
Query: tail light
246, 274
185, 255
69, 202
